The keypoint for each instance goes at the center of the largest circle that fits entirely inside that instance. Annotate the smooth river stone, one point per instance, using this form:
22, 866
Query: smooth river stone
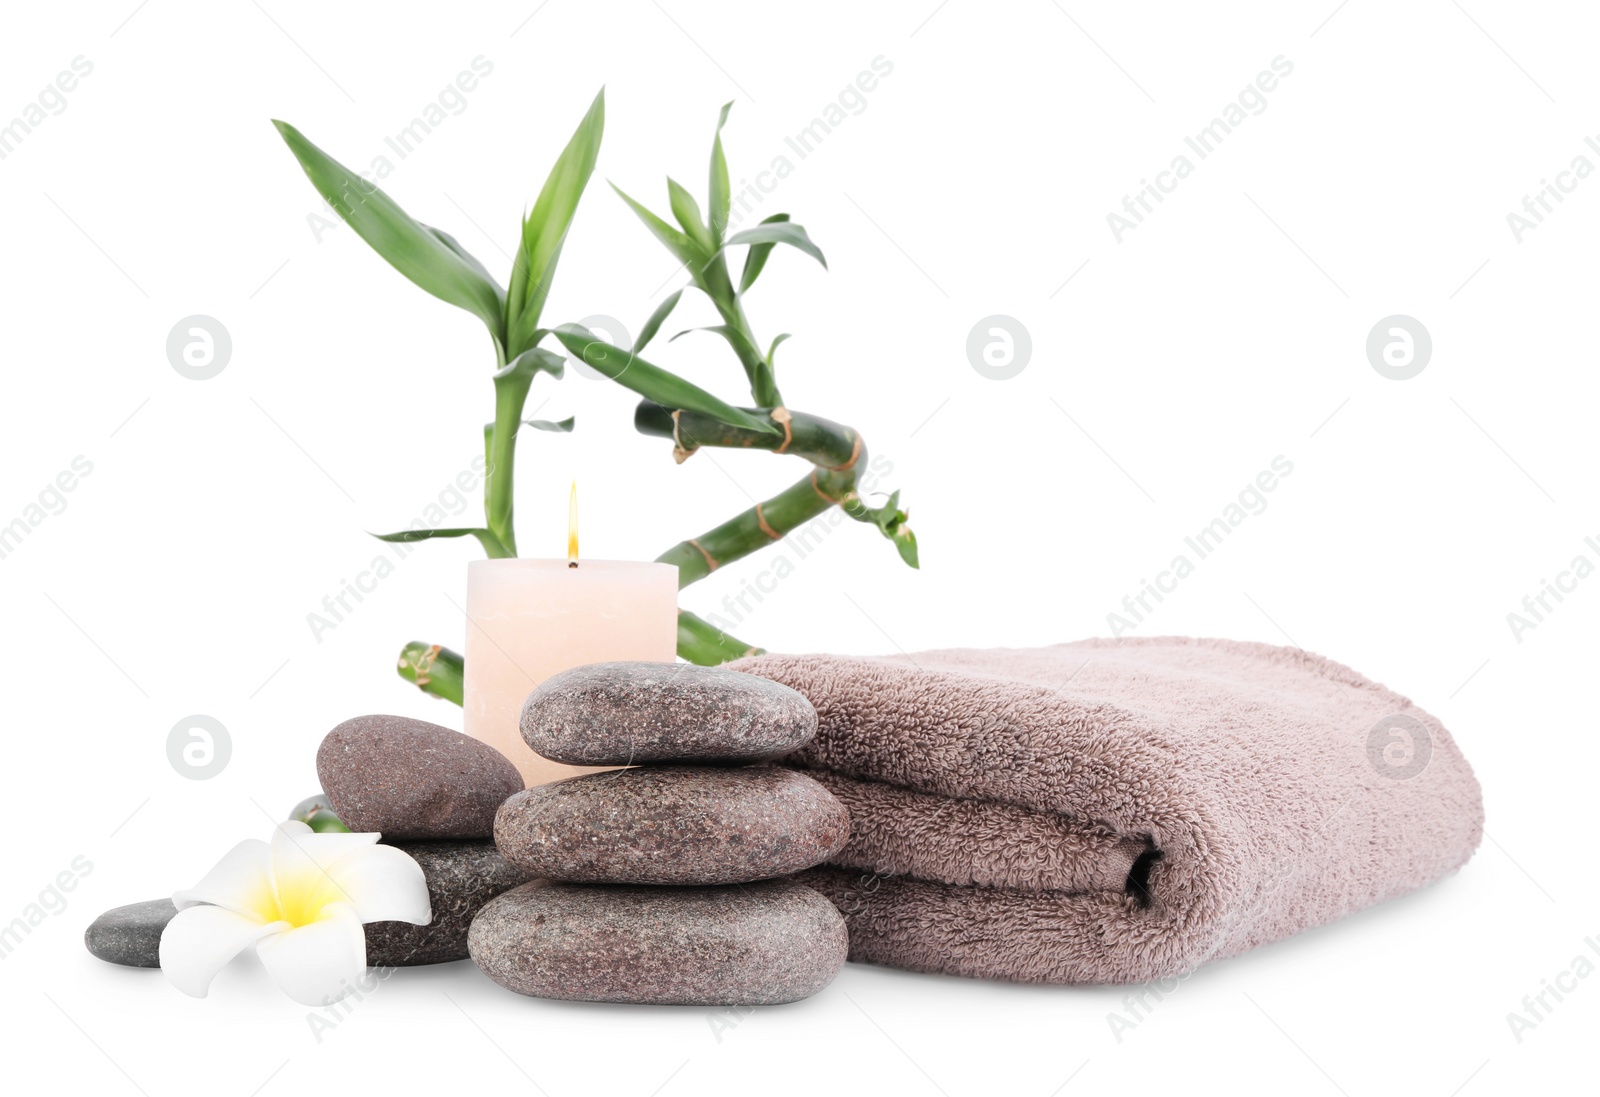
410, 780
673, 825
130, 935
619, 714
462, 877
754, 945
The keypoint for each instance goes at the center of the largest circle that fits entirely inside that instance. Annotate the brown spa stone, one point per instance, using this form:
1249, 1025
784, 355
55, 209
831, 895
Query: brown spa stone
755, 945
673, 825
630, 713
462, 877
410, 780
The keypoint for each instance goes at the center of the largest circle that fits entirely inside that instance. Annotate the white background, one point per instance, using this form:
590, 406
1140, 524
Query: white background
1227, 329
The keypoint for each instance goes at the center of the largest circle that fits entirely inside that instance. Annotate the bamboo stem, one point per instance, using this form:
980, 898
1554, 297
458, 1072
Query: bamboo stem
434, 670
714, 280
510, 395
820, 441
701, 642
838, 453
753, 529
836, 450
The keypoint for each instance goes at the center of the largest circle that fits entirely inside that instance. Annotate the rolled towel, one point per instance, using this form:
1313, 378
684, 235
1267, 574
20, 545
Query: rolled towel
1119, 811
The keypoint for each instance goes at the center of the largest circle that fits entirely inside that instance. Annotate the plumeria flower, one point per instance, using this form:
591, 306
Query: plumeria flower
301, 901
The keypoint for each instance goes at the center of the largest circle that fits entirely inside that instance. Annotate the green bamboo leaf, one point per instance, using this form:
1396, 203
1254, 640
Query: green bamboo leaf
518, 326
773, 350
564, 426
719, 194
737, 339
779, 232
491, 543
531, 362
763, 386
653, 382
686, 250
461, 253
657, 318
687, 211
756, 257
719, 328
544, 231
906, 542
891, 522
413, 249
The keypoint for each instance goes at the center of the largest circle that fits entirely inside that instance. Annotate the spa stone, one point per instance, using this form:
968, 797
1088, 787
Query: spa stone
630, 713
760, 944
130, 935
673, 825
462, 877
410, 780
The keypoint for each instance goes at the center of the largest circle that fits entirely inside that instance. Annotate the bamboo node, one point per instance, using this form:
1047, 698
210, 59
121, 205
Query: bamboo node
855, 455
781, 416
425, 665
680, 452
761, 520
711, 564
816, 487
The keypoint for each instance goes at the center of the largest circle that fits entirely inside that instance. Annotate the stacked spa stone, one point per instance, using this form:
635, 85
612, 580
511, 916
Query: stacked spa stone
432, 793
428, 791
663, 883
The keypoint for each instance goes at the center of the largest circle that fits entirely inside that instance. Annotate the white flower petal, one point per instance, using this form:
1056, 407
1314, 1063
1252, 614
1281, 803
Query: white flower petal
294, 841
383, 884
301, 859
201, 940
241, 881
317, 964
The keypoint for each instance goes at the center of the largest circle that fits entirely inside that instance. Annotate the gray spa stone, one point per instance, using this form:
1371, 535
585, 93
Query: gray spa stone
462, 877
758, 944
617, 714
130, 935
673, 825
410, 780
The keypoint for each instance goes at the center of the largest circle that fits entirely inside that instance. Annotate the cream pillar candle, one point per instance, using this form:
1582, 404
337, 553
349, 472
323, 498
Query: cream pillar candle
530, 619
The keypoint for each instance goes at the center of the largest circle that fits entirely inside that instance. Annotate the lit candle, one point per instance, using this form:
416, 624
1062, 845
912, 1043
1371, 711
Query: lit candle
530, 619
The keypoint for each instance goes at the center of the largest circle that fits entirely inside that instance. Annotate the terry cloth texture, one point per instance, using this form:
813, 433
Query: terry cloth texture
1119, 811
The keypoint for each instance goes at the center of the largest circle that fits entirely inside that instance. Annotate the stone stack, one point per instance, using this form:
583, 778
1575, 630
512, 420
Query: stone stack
431, 792
428, 791
662, 883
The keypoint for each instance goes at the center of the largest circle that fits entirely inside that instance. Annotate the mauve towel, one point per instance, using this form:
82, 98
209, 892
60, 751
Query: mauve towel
1118, 811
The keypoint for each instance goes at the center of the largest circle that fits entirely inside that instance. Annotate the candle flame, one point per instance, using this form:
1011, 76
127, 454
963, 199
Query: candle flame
572, 526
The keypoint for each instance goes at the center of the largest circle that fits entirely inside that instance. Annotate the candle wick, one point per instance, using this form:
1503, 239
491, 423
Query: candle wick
572, 563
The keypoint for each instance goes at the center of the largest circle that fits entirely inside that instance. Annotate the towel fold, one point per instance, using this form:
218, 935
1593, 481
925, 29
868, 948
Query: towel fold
1119, 811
